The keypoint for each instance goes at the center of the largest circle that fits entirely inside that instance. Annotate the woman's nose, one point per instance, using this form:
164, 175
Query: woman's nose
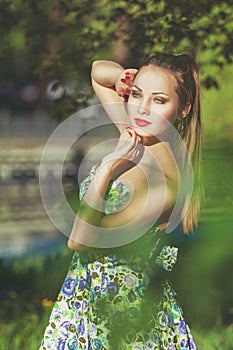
143, 109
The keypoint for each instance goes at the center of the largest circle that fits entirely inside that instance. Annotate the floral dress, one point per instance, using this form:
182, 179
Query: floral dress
119, 298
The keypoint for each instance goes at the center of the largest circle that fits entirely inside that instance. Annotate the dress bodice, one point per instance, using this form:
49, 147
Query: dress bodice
118, 194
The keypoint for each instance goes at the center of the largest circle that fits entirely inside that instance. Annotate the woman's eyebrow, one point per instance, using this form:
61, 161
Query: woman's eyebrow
137, 87
160, 93
153, 93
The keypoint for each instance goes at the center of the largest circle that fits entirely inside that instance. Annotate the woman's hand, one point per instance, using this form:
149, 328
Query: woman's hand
126, 155
125, 81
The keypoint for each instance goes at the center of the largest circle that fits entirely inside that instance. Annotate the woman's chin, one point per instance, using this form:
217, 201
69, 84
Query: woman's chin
141, 132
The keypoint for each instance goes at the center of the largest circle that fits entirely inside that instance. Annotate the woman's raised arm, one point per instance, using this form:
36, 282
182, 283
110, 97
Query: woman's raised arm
111, 83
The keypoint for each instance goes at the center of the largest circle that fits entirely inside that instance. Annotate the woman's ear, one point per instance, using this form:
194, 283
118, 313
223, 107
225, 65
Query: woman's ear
186, 110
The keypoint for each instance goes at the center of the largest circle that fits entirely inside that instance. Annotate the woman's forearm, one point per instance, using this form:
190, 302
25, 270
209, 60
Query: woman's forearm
91, 209
106, 73
93, 199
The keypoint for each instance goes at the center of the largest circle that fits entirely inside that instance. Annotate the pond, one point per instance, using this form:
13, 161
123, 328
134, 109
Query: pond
26, 229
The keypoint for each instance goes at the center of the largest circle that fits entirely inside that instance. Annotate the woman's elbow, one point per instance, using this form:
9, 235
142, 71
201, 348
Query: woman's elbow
75, 245
94, 66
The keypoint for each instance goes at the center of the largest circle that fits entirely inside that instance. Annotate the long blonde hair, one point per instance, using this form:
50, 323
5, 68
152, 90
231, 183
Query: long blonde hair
185, 70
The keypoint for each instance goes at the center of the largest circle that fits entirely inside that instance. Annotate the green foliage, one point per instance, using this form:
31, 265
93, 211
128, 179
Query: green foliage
53, 39
59, 39
201, 28
217, 106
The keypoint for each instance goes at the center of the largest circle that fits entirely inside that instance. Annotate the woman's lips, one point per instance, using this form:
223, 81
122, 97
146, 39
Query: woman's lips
141, 122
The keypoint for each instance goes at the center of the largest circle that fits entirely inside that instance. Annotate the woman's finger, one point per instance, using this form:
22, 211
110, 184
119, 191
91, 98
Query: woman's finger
125, 81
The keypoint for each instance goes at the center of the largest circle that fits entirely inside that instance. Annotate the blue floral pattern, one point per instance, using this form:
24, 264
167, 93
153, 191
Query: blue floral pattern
103, 303
167, 257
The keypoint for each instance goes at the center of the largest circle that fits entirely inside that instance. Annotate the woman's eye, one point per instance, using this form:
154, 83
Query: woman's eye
158, 100
135, 94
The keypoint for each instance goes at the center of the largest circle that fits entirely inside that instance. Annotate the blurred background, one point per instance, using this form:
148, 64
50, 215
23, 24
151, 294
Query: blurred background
46, 51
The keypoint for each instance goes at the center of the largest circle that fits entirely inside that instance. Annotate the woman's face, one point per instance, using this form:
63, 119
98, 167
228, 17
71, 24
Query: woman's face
153, 95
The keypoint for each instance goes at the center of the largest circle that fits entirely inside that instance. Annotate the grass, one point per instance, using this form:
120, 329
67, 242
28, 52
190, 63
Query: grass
27, 332
217, 338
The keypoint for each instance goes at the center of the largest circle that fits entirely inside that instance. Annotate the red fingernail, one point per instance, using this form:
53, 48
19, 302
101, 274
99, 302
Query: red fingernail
127, 91
127, 77
127, 73
120, 94
123, 80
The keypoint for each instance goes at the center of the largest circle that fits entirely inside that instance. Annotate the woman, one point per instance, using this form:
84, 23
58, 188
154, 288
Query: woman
117, 294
